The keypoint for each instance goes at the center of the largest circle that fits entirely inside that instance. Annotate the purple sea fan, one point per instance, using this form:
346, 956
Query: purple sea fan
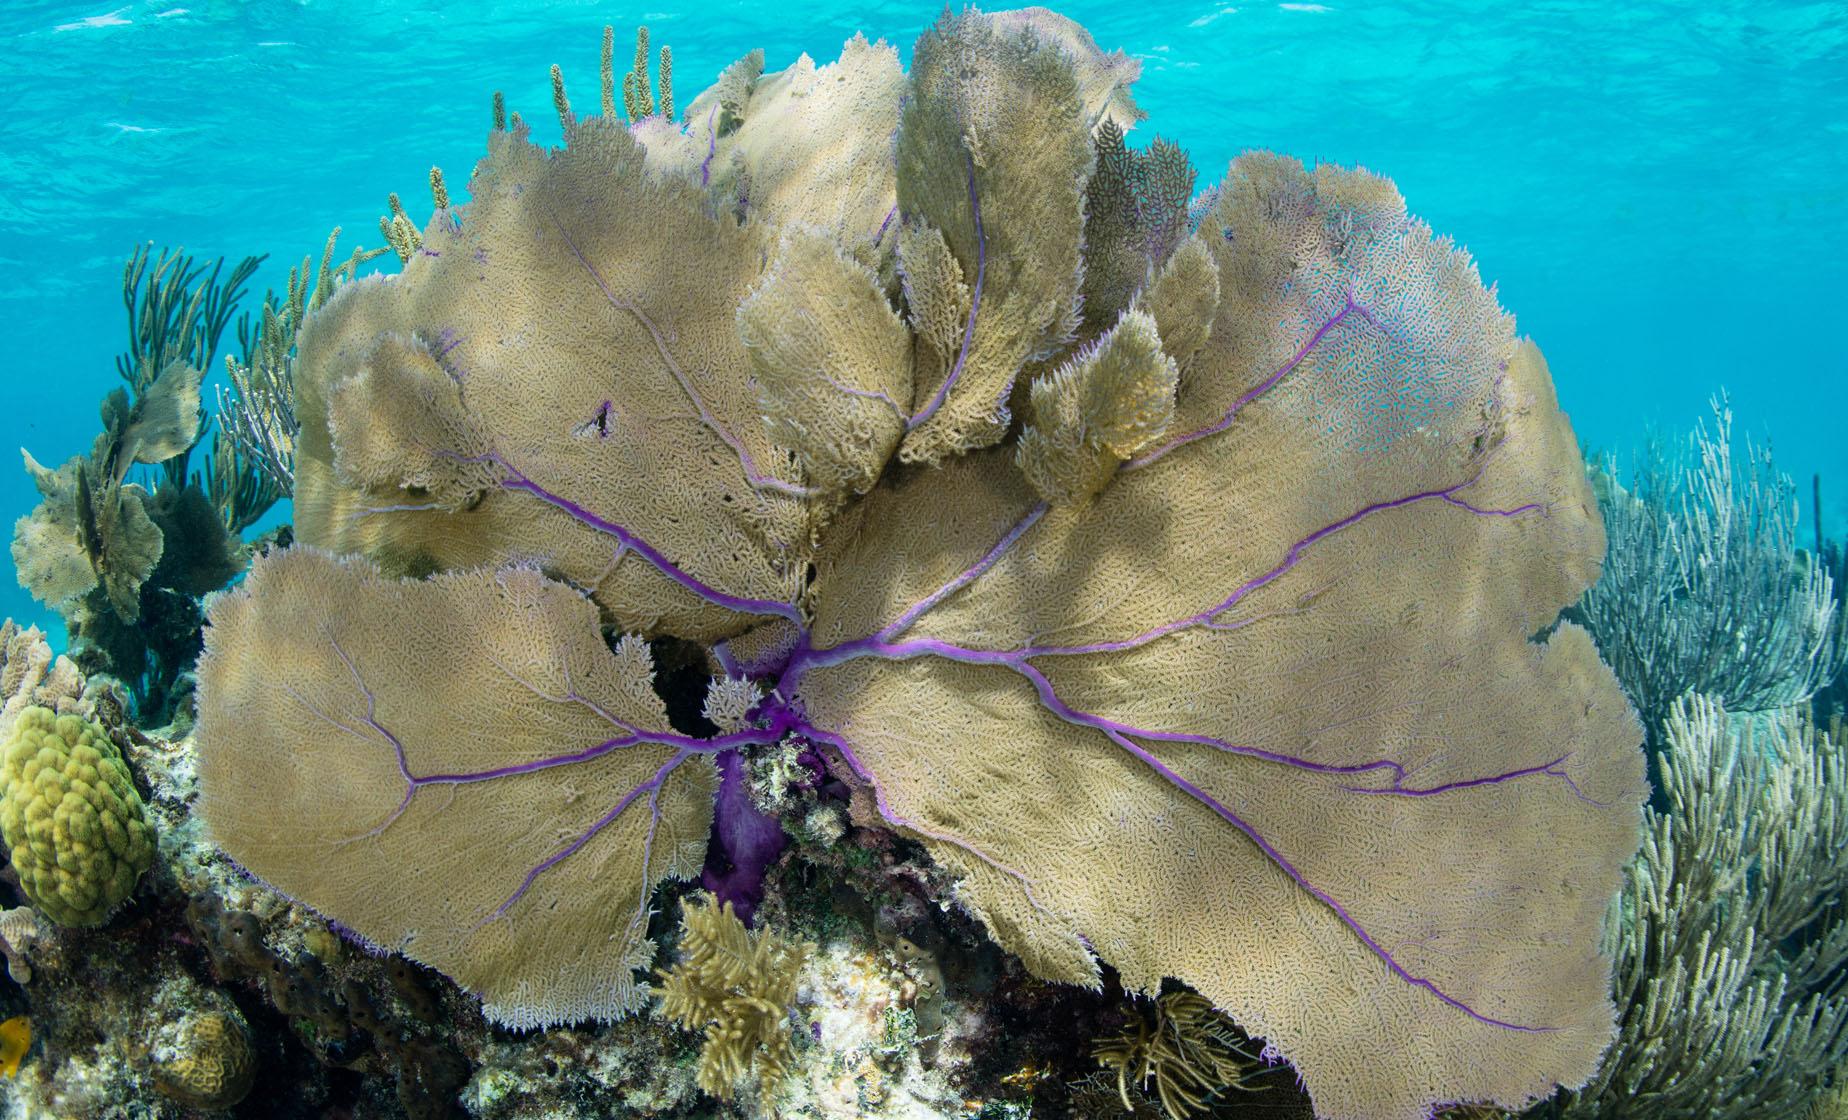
1234, 685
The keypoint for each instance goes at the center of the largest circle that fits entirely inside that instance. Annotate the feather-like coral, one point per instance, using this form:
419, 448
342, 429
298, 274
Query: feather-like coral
1704, 590
1731, 936
1188, 1055
737, 986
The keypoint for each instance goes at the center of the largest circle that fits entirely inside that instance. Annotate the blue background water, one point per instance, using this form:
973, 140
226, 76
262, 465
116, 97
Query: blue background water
1660, 189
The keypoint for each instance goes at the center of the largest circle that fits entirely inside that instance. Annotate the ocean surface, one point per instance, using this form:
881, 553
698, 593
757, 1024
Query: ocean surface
1660, 190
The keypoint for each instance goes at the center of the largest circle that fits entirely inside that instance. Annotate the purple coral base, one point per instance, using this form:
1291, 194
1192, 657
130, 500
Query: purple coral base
748, 840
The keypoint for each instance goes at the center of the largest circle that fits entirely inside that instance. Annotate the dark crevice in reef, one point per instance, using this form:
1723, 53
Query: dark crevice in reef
681, 673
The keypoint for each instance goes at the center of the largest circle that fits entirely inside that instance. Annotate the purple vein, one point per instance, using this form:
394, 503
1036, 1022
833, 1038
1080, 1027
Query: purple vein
589, 834
684, 743
975, 305
629, 541
1051, 701
1551, 769
745, 461
885, 225
966, 577
1255, 391
1302, 881
640, 920
864, 394
371, 720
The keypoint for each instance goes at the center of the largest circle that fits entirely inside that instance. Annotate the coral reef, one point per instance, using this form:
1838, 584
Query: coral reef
1704, 590
1069, 598
1732, 936
76, 832
338, 1030
739, 987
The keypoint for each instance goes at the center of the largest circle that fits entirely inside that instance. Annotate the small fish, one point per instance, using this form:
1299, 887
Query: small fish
15, 1040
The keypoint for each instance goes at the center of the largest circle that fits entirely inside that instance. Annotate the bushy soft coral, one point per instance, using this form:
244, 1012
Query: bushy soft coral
738, 986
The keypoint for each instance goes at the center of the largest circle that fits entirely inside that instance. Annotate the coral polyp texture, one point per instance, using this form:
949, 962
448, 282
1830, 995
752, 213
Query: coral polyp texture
76, 830
1210, 635
206, 1061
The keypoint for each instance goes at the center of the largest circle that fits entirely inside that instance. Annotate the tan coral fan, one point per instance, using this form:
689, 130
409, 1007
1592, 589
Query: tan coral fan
1350, 565
1252, 704
376, 729
1004, 111
590, 310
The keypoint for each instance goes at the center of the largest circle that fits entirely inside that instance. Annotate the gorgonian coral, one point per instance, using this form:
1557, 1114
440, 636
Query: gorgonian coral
1196, 635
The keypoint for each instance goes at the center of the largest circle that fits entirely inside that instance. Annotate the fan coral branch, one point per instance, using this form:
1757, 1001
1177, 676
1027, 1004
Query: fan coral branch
632, 543
1348, 307
975, 306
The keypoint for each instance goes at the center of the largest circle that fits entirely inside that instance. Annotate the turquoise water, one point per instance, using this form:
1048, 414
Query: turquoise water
1660, 190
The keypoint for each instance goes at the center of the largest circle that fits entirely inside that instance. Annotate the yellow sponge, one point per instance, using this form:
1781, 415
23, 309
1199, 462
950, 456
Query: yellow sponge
75, 827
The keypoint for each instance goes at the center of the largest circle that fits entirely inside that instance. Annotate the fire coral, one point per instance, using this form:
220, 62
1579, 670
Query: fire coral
1211, 635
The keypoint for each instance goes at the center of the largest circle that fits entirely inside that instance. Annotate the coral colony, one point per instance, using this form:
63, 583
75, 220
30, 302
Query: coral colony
880, 571
1170, 578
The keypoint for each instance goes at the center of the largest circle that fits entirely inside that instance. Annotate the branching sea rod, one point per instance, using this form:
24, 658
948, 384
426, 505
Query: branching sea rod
1190, 635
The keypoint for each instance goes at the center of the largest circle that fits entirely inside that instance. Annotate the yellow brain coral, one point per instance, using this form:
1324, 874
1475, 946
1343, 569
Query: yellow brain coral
211, 1064
74, 825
